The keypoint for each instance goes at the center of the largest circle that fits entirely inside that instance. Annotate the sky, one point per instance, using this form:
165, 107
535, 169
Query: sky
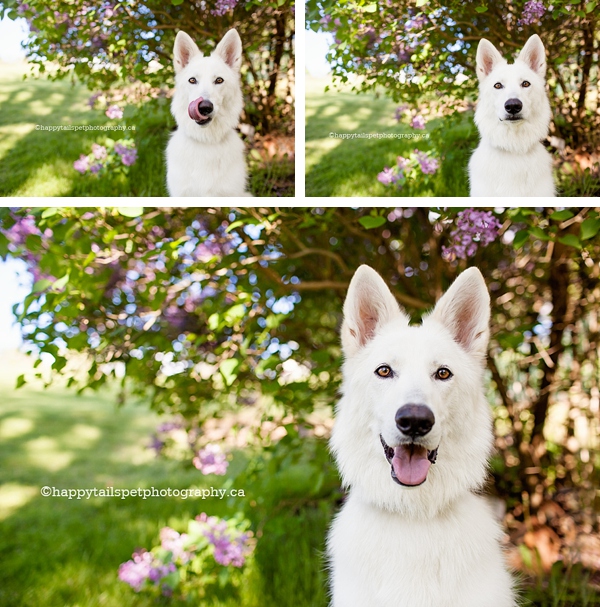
16, 284
12, 33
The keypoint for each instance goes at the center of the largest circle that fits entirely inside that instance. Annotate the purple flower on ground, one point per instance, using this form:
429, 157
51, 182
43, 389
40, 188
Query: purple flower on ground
387, 176
532, 11
474, 228
159, 571
114, 112
222, 6
173, 541
82, 165
418, 122
95, 168
428, 164
99, 151
136, 571
231, 546
403, 163
129, 157
211, 460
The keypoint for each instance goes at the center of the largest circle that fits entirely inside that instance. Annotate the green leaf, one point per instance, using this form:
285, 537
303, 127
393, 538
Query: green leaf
370, 8
49, 212
521, 237
369, 222
571, 241
589, 228
41, 285
227, 369
590, 6
20, 381
420, 3
213, 321
539, 233
235, 313
61, 282
481, 9
234, 225
176, 2
130, 211
561, 215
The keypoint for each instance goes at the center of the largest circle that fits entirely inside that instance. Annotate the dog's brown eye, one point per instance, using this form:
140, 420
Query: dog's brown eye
219, 81
498, 85
525, 84
443, 373
192, 81
384, 371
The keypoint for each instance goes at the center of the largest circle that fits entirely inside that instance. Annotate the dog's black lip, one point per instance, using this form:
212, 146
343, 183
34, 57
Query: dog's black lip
204, 122
389, 455
514, 119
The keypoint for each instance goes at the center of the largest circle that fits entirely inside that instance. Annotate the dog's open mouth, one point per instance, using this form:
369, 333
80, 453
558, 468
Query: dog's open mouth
410, 462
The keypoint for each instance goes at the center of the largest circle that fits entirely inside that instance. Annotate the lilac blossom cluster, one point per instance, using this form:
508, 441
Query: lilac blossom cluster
407, 168
532, 11
101, 157
230, 545
211, 460
223, 6
474, 228
114, 112
142, 567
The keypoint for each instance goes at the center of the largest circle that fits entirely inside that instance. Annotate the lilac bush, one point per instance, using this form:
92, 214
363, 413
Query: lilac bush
213, 551
211, 460
533, 11
417, 167
474, 228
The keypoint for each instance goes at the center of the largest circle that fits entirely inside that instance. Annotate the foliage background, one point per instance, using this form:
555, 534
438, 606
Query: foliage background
228, 317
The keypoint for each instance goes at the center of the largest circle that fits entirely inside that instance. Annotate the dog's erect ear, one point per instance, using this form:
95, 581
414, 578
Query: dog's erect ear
230, 49
534, 55
465, 310
488, 58
369, 306
185, 49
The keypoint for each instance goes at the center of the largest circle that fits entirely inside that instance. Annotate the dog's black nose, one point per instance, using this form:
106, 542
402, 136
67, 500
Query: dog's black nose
414, 420
205, 107
513, 106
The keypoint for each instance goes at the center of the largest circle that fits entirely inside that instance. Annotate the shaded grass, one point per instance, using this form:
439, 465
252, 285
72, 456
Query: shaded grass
40, 163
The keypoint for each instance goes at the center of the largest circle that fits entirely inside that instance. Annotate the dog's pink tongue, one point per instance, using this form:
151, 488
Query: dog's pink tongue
194, 112
410, 464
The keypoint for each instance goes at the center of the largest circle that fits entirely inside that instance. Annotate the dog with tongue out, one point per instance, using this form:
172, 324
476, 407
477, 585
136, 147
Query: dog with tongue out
412, 437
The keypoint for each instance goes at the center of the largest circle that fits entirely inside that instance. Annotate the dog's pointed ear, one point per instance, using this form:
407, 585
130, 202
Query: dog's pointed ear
369, 306
534, 55
230, 49
465, 311
184, 50
488, 57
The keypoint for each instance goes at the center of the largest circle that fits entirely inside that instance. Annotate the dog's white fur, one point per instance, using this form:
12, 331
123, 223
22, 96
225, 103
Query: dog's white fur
207, 160
437, 544
510, 159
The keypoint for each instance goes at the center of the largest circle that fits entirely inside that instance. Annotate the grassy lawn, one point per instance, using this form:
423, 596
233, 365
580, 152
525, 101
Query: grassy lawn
336, 167
40, 163
58, 552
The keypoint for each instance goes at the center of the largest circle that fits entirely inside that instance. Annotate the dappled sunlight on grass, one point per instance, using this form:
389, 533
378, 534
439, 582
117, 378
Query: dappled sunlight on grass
11, 427
44, 452
13, 496
45, 181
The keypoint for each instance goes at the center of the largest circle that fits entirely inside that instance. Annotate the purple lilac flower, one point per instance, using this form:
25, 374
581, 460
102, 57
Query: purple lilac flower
211, 460
403, 163
23, 227
428, 164
95, 168
114, 111
168, 427
82, 165
92, 100
532, 11
474, 228
159, 571
120, 148
129, 157
231, 547
136, 571
418, 122
222, 6
156, 444
387, 176
99, 151
399, 111
173, 541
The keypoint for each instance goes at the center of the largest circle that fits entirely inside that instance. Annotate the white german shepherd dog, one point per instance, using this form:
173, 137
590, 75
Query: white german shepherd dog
412, 437
205, 156
513, 114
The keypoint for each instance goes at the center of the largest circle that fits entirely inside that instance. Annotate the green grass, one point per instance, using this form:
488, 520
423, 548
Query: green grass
40, 163
336, 167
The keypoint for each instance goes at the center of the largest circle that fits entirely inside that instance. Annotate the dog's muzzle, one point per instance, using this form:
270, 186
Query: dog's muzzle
513, 108
200, 110
410, 462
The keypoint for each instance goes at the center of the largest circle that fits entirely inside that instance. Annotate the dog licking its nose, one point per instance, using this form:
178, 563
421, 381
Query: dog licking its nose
513, 106
200, 109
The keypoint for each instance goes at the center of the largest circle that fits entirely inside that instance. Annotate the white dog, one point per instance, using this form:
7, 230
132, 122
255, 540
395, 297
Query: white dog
412, 437
205, 156
513, 114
